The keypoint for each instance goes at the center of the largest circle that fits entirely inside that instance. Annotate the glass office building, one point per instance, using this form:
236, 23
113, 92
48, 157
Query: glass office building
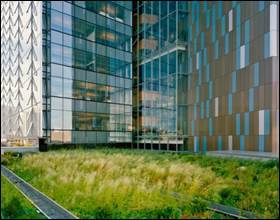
160, 74
166, 75
87, 74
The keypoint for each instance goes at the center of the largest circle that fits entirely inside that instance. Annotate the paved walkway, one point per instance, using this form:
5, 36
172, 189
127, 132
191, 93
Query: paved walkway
244, 154
47, 206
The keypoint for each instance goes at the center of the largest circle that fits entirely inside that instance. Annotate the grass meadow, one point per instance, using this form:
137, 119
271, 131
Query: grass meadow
116, 183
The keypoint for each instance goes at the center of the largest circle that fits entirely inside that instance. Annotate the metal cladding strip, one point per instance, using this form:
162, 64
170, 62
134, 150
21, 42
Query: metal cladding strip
46, 205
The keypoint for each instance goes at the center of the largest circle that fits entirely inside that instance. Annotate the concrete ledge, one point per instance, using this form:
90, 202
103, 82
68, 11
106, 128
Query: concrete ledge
19, 149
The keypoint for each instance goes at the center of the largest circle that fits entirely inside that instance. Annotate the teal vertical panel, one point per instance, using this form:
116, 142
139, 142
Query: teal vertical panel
204, 144
247, 31
190, 33
261, 143
266, 122
230, 103
237, 22
213, 23
207, 108
196, 144
205, 56
247, 54
242, 143
210, 126
256, 74
266, 45
202, 39
238, 34
261, 5
223, 31
246, 123
202, 110
237, 124
220, 143
208, 18
233, 82
251, 99
207, 73
204, 6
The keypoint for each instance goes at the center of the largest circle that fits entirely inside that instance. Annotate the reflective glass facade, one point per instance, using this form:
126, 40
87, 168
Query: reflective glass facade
87, 72
160, 74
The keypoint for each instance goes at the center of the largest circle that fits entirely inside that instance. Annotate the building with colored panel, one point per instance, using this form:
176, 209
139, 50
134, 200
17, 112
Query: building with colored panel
239, 77
168, 75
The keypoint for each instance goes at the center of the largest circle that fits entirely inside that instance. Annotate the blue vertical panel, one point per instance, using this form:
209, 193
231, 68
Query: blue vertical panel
237, 22
192, 127
237, 58
205, 56
242, 143
256, 74
204, 6
194, 46
213, 23
238, 42
246, 123
220, 9
204, 143
210, 126
207, 73
219, 143
202, 110
237, 123
261, 143
196, 144
223, 25
190, 33
197, 94
251, 99
247, 31
208, 18
266, 45
202, 37
194, 112
193, 11
226, 48
190, 64
207, 108
233, 82
217, 49
247, 54
266, 122
210, 88
230, 103
261, 5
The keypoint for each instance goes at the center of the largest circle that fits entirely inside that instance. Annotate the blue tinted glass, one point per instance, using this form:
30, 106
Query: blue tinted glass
238, 37
247, 31
256, 74
204, 144
251, 99
226, 43
242, 142
220, 9
266, 122
233, 82
261, 143
196, 144
202, 110
237, 123
220, 143
266, 45
205, 56
261, 5
197, 94
223, 25
210, 126
207, 108
230, 104
246, 123
210, 88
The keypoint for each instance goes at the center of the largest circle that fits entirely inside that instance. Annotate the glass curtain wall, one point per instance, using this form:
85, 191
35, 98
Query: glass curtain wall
160, 110
87, 71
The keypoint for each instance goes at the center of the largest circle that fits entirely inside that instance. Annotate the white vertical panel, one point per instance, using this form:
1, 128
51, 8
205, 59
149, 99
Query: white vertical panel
273, 44
230, 143
261, 122
216, 106
230, 21
242, 56
273, 17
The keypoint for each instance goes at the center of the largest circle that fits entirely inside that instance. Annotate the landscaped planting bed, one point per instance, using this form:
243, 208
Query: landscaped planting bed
115, 183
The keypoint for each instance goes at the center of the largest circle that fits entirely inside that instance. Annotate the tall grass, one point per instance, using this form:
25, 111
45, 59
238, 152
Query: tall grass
129, 184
